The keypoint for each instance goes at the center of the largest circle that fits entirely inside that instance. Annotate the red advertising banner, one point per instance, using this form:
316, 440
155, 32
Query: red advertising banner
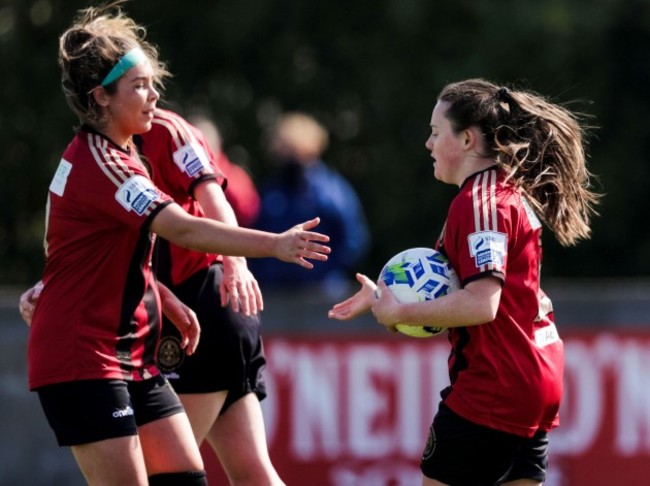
355, 411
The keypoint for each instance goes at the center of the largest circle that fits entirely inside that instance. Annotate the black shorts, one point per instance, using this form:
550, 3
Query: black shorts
230, 354
461, 452
86, 411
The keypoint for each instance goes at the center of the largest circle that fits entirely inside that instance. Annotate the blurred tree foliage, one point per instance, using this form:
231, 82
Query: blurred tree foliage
370, 70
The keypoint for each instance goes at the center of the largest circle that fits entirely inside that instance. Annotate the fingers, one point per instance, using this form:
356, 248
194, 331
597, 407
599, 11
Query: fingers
27, 304
244, 296
311, 236
307, 225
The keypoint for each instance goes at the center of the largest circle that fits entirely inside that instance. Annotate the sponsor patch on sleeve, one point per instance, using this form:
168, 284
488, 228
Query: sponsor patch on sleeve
192, 159
546, 335
136, 194
60, 179
488, 248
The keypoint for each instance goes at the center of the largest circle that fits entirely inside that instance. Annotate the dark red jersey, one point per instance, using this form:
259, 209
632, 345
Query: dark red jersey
180, 158
505, 374
98, 316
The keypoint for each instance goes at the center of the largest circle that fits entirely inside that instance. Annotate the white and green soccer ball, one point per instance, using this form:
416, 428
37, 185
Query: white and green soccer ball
418, 275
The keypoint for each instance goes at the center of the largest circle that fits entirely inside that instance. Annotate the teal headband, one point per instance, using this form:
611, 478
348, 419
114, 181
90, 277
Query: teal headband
127, 61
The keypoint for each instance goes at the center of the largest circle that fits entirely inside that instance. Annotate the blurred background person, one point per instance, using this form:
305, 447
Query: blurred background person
303, 184
240, 190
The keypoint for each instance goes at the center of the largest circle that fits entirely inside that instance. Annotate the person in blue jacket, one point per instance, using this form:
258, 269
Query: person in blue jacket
303, 185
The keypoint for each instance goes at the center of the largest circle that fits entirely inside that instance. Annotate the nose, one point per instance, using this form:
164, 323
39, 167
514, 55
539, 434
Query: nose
429, 143
154, 94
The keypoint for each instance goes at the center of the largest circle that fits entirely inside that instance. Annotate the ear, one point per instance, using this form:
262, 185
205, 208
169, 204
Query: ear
100, 96
469, 138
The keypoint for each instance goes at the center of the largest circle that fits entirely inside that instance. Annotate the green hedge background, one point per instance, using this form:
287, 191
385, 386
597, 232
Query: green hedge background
370, 70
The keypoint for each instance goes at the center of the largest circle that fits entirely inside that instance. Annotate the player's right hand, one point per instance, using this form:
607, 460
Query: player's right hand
358, 304
298, 244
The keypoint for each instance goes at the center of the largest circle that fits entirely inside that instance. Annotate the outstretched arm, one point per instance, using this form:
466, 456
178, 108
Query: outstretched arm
296, 245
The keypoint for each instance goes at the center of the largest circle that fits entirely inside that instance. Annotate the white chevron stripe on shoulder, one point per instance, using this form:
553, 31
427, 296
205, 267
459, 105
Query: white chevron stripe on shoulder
177, 128
484, 201
104, 159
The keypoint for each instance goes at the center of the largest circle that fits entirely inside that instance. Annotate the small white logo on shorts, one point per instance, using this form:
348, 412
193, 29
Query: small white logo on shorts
125, 412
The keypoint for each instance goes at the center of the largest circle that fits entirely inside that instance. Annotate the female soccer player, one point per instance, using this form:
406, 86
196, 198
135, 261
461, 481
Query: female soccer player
222, 383
518, 161
96, 327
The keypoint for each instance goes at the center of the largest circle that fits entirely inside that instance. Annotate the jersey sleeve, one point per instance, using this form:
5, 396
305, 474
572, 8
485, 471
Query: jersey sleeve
187, 155
477, 233
128, 195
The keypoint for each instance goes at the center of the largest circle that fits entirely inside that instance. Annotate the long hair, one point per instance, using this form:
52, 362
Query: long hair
88, 50
540, 146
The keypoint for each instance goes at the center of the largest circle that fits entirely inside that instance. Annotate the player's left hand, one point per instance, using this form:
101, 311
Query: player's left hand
183, 318
239, 287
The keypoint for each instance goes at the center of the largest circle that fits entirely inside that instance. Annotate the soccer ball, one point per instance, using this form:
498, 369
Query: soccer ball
417, 275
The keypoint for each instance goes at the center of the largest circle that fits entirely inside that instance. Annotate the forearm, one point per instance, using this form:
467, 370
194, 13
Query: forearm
209, 236
464, 307
214, 203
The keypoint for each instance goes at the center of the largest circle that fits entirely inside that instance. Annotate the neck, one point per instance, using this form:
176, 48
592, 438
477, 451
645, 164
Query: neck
472, 165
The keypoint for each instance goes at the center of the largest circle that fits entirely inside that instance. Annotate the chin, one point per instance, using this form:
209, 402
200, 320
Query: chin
144, 128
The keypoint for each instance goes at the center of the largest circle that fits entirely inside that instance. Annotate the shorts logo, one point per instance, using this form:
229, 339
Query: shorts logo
125, 412
192, 159
170, 354
136, 194
488, 248
430, 446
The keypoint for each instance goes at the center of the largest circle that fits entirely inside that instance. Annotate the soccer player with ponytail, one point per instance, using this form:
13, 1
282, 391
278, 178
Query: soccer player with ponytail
519, 163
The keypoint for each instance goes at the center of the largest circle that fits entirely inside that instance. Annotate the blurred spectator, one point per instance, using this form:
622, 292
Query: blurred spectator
303, 186
240, 190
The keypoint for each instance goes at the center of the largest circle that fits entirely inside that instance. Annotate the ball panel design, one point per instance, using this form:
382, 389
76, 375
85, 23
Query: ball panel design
417, 275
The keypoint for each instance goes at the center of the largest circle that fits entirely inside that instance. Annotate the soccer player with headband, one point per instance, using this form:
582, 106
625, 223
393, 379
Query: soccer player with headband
96, 328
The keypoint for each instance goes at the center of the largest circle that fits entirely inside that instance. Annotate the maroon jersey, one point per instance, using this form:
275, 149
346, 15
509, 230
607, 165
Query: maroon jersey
180, 158
505, 374
98, 316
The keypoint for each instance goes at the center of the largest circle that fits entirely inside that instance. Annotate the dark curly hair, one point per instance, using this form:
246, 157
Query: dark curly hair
538, 144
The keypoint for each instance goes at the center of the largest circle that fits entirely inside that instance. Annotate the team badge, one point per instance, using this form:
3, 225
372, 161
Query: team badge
170, 354
430, 446
488, 248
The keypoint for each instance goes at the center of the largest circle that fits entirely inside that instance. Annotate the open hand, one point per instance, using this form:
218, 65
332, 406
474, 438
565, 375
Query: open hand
298, 244
358, 304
